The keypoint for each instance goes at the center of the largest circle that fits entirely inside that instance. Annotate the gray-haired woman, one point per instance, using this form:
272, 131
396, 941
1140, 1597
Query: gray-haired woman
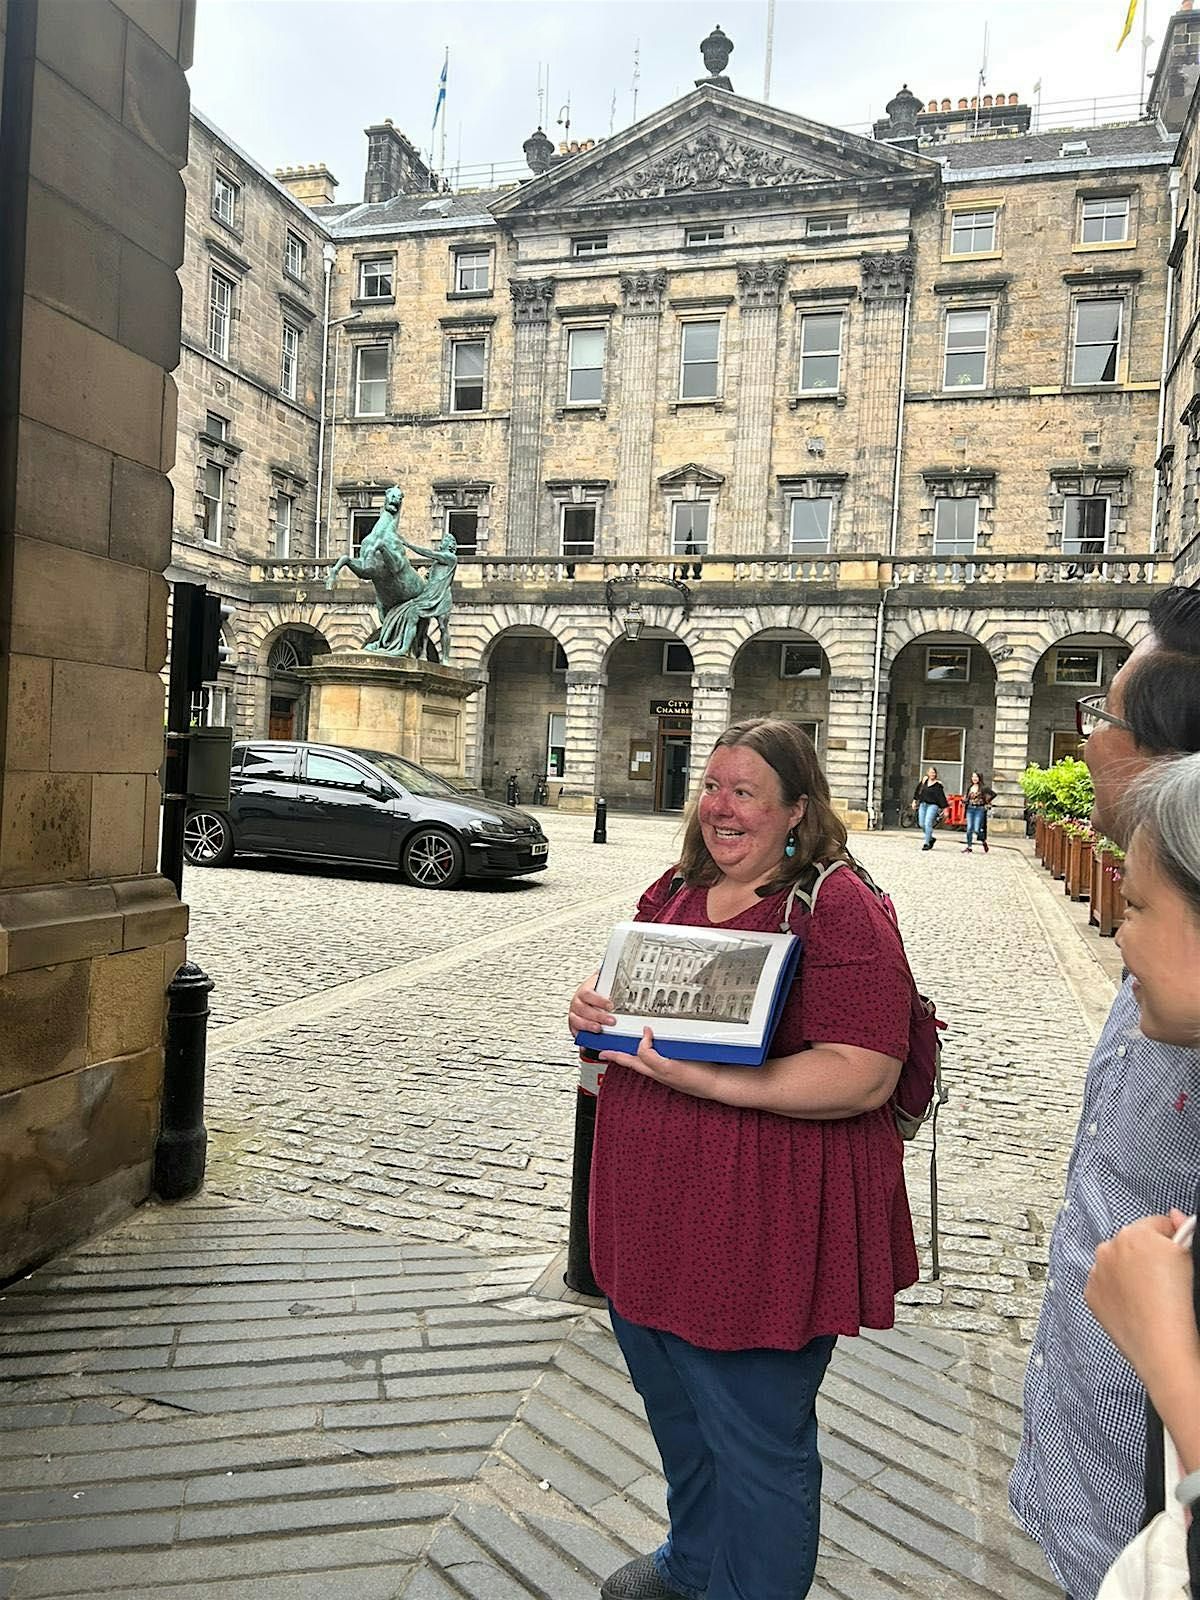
1142, 1288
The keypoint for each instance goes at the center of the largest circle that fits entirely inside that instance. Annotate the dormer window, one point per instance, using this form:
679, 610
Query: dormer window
706, 233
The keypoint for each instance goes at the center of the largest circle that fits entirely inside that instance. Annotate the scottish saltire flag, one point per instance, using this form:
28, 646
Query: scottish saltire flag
441, 96
1125, 31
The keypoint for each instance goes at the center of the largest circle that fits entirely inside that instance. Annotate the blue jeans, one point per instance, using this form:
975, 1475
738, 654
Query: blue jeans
927, 815
737, 1433
976, 823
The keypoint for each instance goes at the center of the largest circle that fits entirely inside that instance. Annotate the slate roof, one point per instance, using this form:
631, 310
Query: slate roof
410, 213
1122, 144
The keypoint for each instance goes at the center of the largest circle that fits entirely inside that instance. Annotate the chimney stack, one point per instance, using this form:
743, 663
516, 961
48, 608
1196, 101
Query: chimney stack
315, 186
394, 166
1178, 69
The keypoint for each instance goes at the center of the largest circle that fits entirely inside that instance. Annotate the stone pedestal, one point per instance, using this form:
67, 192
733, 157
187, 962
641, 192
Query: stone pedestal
408, 708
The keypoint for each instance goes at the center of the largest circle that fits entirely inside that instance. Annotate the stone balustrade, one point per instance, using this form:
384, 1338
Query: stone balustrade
487, 573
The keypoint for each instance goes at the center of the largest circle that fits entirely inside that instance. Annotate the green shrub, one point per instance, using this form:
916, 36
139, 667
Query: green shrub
1063, 790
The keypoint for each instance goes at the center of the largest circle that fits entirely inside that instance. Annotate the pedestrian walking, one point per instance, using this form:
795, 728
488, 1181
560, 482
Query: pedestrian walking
977, 799
1078, 1483
929, 802
1143, 1287
743, 1218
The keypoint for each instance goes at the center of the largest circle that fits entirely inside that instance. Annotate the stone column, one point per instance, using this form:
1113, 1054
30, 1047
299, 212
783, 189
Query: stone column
641, 308
96, 105
712, 695
760, 288
531, 299
474, 723
1010, 755
583, 779
847, 746
885, 285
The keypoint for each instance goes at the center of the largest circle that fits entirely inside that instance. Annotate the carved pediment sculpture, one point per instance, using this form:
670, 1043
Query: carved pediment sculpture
711, 162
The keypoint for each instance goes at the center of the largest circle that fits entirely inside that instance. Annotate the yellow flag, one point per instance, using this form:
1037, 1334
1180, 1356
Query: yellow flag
1129, 16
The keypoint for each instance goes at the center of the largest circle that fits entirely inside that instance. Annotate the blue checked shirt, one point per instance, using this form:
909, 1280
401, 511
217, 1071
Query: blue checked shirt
1078, 1485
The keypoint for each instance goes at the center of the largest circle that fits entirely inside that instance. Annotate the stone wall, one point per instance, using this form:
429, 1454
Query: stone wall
96, 133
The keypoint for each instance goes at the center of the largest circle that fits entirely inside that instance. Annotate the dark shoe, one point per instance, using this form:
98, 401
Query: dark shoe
983, 842
637, 1580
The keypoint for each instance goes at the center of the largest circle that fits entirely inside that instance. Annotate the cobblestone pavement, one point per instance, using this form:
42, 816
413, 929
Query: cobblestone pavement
216, 1402
397, 1060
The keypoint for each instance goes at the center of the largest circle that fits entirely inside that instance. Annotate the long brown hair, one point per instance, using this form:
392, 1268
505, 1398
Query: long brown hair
789, 752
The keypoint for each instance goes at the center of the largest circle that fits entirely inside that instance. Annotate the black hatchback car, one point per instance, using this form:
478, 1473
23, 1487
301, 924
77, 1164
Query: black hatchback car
338, 804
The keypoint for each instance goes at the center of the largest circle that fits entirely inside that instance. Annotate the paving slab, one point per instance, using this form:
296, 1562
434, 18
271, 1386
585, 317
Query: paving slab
521, 1468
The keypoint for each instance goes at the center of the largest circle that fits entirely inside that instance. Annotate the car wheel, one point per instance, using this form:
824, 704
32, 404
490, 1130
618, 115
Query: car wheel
432, 859
207, 839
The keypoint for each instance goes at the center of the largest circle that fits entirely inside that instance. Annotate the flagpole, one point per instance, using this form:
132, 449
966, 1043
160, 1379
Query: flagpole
445, 94
1142, 90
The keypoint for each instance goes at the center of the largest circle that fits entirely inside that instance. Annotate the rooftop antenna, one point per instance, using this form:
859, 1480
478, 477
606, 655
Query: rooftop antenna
982, 78
564, 119
541, 98
770, 46
1037, 106
637, 73
612, 115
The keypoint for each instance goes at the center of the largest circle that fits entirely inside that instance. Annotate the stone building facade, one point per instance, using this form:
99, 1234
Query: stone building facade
95, 118
731, 413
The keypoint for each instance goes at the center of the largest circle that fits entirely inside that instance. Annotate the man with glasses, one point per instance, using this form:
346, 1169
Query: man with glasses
1078, 1484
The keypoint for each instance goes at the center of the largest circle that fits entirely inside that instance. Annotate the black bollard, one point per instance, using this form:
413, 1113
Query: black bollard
600, 831
578, 1275
182, 1139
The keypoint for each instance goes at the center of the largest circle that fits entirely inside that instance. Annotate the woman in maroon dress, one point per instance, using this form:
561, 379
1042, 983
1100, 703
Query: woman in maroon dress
743, 1218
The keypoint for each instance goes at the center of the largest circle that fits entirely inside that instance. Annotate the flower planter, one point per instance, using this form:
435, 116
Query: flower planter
1077, 878
1039, 838
1056, 855
1107, 904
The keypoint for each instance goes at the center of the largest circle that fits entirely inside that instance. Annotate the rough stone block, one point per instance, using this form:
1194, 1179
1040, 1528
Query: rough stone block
116, 824
140, 530
63, 488
156, 98
160, 20
82, 739
60, 238
152, 819
87, 156
90, 58
25, 687
82, 383
127, 1003
159, 595
151, 910
43, 1024
81, 607
42, 927
44, 827
150, 301
74, 1151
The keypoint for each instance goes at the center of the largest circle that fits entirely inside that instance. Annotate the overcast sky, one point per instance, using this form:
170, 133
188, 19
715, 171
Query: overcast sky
296, 81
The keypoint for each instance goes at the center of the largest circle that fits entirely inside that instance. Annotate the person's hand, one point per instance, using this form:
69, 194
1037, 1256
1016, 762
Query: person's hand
589, 1011
1140, 1291
689, 1077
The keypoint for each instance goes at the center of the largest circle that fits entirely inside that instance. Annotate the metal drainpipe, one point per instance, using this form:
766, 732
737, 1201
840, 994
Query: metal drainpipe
1163, 383
328, 255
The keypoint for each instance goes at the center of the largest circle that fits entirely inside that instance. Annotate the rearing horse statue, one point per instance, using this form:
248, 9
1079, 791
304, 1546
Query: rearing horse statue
383, 561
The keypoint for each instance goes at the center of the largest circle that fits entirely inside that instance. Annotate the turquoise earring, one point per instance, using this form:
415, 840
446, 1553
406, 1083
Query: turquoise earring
789, 848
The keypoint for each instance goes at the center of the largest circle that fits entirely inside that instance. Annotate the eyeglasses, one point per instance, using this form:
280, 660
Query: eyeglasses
1090, 715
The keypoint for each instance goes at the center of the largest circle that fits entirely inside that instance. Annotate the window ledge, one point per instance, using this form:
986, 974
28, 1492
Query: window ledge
714, 402
582, 408
830, 397
470, 294
1103, 244
231, 228
300, 283
374, 300
949, 257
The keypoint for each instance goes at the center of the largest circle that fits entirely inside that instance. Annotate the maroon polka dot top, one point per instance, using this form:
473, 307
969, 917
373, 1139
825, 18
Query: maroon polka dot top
740, 1229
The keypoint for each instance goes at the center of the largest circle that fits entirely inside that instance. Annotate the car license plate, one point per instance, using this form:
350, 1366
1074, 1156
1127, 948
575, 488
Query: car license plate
540, 849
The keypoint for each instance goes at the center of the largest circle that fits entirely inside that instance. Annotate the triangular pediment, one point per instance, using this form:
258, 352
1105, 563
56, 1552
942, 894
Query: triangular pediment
713, 142
679, 477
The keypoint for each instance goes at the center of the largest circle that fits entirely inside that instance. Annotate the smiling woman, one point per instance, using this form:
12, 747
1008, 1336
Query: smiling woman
743, 1218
